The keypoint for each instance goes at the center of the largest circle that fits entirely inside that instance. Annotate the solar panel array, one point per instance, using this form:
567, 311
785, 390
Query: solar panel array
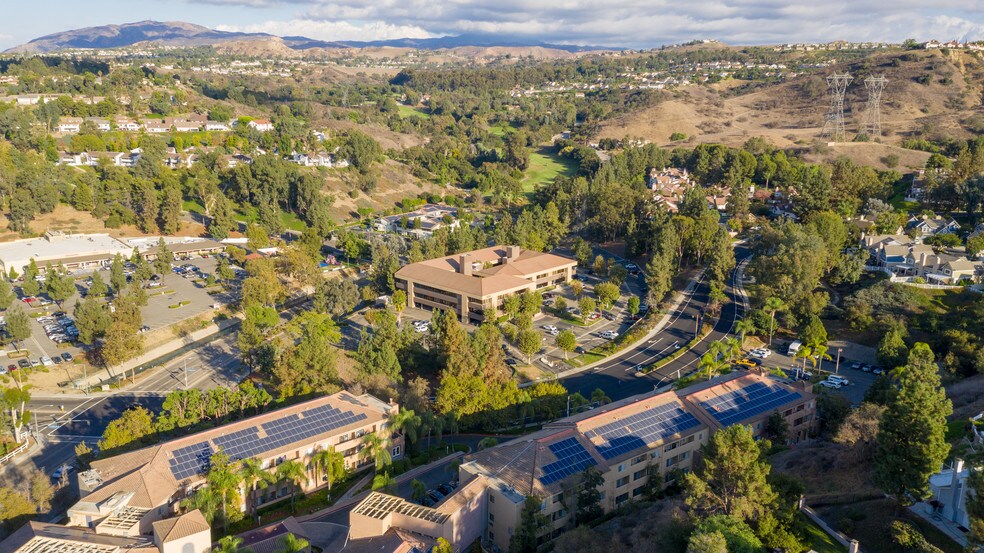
191, 460
572, 458
247, 443
641, 429
747, 402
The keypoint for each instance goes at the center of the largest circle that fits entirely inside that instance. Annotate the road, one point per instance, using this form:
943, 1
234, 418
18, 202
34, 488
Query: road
617, 377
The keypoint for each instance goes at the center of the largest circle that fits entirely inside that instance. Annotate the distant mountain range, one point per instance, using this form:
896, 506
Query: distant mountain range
179, 33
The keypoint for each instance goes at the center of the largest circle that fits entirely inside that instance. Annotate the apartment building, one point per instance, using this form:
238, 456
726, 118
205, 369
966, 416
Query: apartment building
474, 285
637, 444
128, 494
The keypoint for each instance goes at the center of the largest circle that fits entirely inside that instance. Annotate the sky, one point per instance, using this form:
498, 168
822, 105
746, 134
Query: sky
619, 23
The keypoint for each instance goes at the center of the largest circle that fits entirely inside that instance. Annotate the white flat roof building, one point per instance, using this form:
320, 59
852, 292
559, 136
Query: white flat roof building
74, 251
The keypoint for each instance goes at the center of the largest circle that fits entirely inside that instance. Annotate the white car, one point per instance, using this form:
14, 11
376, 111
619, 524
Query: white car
829, 384
609, 334
761, 353
46, 361
839, 379
550, 328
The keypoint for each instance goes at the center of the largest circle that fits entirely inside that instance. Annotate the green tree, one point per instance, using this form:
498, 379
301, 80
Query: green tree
744, 327
230, 544
119, 343
59, 285
975, 506
607, 294
41, 489
224, 480
773, 305
253, 476
98, 288
293, 544
18, 325
406, 422
736, 532
164, 258
13, 406
776, 428
7, 295
529, 342
566, 341
531, 522
588, 497
587, 306
418, 490
92, 318
633, 305
707, 542
892, 350
732, 477
912, 434
117, 277
294, 474
442, 546
128, 430
376, 448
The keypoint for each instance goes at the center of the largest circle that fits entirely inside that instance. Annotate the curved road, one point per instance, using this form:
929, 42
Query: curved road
617, 375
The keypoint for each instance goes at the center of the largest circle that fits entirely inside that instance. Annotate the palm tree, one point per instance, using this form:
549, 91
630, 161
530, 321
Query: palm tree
744, 327
419, 490
772, 305
406, 422
819, 354
711, 361
487, 442
294, 473
383, 481
253, 475
229, 544
332, 463
600, 397
805, 353
205, 500
223, 479
731, 348
439, 424
376, 448
293, 544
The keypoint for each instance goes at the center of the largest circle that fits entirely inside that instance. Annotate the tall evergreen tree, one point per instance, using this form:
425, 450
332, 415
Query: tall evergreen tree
911, 435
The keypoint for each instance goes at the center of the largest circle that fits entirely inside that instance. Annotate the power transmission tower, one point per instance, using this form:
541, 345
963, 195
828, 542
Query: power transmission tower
872, 112
833, 122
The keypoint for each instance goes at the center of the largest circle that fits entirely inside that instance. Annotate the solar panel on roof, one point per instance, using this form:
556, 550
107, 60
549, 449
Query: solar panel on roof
572, 458
638, 430
247, 443
747, 402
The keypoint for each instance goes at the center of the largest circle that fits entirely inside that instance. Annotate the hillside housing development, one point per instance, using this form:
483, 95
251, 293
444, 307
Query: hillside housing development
474, 284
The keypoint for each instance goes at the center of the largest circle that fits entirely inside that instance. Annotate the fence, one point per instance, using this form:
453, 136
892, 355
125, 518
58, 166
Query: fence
851, 545
13, 453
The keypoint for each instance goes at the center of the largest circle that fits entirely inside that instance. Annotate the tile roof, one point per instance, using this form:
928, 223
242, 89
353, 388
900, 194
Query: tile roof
43, 537
188, 524
148, 472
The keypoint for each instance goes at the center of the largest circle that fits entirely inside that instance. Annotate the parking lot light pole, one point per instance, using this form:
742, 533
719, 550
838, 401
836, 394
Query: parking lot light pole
838, 364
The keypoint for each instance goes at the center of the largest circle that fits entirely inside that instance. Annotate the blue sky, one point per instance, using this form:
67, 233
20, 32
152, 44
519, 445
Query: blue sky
630, 23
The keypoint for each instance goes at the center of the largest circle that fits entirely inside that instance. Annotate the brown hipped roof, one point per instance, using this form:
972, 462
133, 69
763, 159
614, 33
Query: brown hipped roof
183, 526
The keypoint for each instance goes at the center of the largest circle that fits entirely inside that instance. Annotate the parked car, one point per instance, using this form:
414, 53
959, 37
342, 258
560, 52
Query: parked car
56, 360
5, 370
23, 363
46, 361
829, 384
550, 328
839, 379
67, 357
878, 371
747, 363
856, 365
761, 353
35, 362
61, 472
609, 334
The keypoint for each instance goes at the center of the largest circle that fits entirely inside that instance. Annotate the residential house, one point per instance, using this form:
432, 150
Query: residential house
949, 489
421, 222
670, 176
216, 126
262, 125
156, 126
69, 124
181, 125
102, 125
929, 226
126, 124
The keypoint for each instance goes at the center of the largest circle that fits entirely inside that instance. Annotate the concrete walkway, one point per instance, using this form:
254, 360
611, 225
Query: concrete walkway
948, 527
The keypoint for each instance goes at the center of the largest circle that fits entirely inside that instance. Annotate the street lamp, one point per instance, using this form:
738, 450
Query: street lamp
838, 364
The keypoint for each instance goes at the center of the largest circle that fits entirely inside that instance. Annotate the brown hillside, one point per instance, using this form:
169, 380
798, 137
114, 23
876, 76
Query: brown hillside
930, 93
393, 184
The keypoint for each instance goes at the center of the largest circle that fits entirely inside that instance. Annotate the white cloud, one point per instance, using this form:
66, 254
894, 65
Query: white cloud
332, 30
633, 23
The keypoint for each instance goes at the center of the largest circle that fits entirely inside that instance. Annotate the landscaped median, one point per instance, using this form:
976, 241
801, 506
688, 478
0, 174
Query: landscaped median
704, 331
637, 332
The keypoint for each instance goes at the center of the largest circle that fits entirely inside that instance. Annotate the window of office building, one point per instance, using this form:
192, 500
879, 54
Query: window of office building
621, 482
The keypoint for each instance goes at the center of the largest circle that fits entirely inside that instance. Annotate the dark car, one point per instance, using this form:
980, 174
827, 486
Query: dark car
609, 316
24, 363
445, 489
579, 350
511, 362
435, 495
11, 367
67, 357
56, 360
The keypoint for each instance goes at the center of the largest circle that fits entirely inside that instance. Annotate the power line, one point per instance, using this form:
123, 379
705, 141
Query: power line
833, 123
872, 113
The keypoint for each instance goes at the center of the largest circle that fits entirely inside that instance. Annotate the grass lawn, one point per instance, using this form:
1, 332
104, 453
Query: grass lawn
192, 206
585, 359
816, 538
292, 222
407, 111
544, 166
501, 129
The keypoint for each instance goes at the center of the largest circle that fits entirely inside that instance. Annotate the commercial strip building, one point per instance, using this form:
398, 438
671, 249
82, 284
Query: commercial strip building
630, 443
128, 502
91, 251
474, 285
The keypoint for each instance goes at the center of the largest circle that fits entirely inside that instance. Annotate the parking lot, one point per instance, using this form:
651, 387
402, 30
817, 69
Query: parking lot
158, 313
858, 380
